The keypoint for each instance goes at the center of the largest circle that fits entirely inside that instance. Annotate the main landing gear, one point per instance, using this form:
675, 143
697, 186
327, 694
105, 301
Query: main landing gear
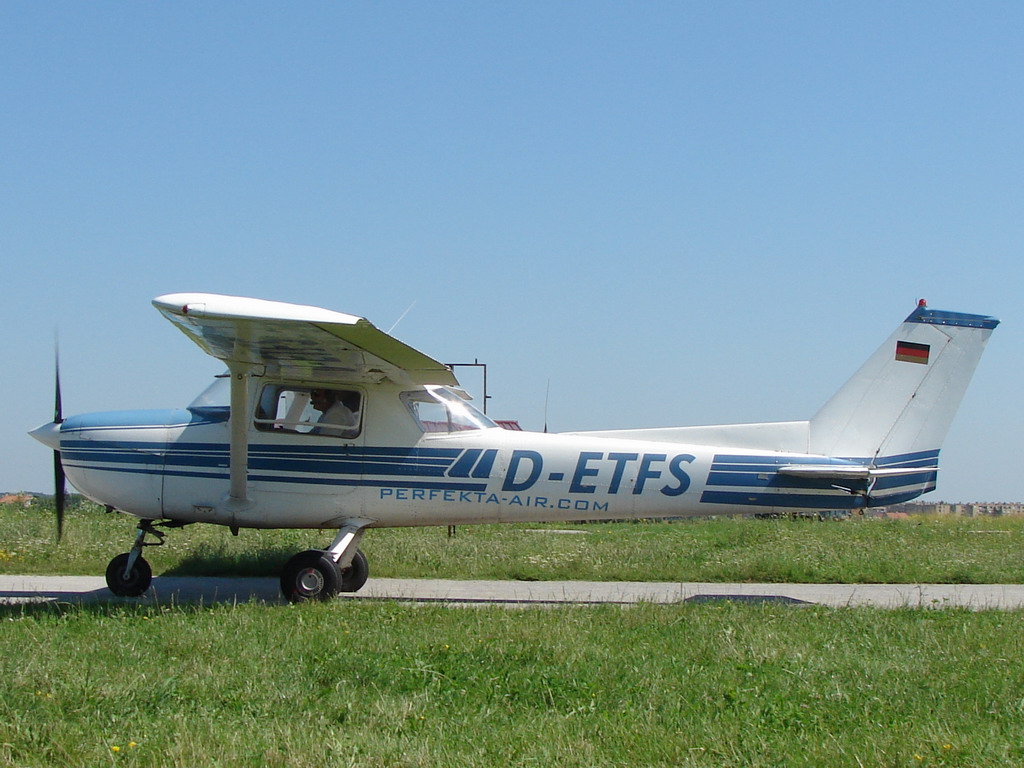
321, 574
311, 575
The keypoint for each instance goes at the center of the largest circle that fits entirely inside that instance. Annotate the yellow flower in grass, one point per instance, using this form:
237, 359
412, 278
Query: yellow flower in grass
115, 748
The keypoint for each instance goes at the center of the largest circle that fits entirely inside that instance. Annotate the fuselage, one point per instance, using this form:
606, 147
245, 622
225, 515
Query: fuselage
175, 465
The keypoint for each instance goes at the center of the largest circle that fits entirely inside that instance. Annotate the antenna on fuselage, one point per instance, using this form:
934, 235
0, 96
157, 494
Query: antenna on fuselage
547, 393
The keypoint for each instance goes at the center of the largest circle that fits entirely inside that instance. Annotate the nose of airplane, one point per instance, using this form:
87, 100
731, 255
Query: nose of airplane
48, 434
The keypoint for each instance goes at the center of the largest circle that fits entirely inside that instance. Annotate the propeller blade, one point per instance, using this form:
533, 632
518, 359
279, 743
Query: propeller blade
58, 409
59, 492
59, 480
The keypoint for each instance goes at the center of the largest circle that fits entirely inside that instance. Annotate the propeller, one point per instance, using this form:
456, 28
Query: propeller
59, 480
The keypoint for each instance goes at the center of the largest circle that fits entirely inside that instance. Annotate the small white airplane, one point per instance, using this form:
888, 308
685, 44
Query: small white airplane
323, 421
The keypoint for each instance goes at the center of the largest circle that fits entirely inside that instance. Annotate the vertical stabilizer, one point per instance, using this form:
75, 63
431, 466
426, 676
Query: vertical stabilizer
903, 399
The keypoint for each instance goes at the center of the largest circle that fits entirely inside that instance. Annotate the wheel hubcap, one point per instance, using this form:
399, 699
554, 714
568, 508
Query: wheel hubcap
310, 581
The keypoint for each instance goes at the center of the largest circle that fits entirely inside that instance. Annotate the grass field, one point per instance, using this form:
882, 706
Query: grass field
383, 684
955, 550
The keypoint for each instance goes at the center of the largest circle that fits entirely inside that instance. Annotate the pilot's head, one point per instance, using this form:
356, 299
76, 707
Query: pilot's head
322, 399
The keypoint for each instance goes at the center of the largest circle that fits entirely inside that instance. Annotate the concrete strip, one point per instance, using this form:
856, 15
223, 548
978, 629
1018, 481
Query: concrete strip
167, 589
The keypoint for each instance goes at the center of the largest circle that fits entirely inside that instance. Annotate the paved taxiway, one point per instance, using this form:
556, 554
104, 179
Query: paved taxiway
166, 589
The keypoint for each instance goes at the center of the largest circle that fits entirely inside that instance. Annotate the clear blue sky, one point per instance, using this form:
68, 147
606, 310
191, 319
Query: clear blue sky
670, 212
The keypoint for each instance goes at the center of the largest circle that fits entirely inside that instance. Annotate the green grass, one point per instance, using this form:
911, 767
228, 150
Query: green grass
385, 684
953, 550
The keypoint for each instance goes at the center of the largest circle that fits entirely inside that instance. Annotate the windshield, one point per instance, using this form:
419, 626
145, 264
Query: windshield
217, 395
441, 410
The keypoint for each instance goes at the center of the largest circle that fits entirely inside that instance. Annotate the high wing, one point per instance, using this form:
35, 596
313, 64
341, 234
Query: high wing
304, 342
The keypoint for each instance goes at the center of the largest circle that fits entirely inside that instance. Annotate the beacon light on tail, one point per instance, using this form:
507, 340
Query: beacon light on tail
323, 421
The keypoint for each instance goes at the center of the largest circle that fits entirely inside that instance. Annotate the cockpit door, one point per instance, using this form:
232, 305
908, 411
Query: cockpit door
306, 449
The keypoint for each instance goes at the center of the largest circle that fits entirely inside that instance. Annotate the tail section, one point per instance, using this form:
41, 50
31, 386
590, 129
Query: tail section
897, 408
876, 442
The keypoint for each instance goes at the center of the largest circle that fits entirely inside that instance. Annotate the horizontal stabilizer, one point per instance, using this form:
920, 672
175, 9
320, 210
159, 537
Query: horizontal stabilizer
847, 473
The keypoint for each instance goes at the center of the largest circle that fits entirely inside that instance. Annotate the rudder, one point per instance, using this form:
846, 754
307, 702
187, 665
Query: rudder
902, 400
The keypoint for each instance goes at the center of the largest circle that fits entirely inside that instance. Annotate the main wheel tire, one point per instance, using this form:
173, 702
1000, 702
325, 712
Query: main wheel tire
310, 575
353, 577
138, 580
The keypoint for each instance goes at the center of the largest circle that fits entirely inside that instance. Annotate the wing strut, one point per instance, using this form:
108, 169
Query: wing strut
239, 453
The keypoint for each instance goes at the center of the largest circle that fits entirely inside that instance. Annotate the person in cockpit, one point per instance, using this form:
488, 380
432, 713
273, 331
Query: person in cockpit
337, 411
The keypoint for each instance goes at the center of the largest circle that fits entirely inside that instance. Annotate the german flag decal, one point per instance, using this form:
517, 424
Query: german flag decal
909, 352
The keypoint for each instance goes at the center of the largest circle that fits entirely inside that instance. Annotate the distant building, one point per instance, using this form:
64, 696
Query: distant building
967, 509
25, 499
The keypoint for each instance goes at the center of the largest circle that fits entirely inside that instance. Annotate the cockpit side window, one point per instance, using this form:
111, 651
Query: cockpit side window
440, 410
310, 410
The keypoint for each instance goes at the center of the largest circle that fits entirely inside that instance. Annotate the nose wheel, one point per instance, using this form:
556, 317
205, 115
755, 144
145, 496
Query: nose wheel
128, 574
126, 581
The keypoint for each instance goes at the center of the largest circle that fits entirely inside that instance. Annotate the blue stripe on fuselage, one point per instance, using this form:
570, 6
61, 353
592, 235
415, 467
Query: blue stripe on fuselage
753, 480
301, 464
